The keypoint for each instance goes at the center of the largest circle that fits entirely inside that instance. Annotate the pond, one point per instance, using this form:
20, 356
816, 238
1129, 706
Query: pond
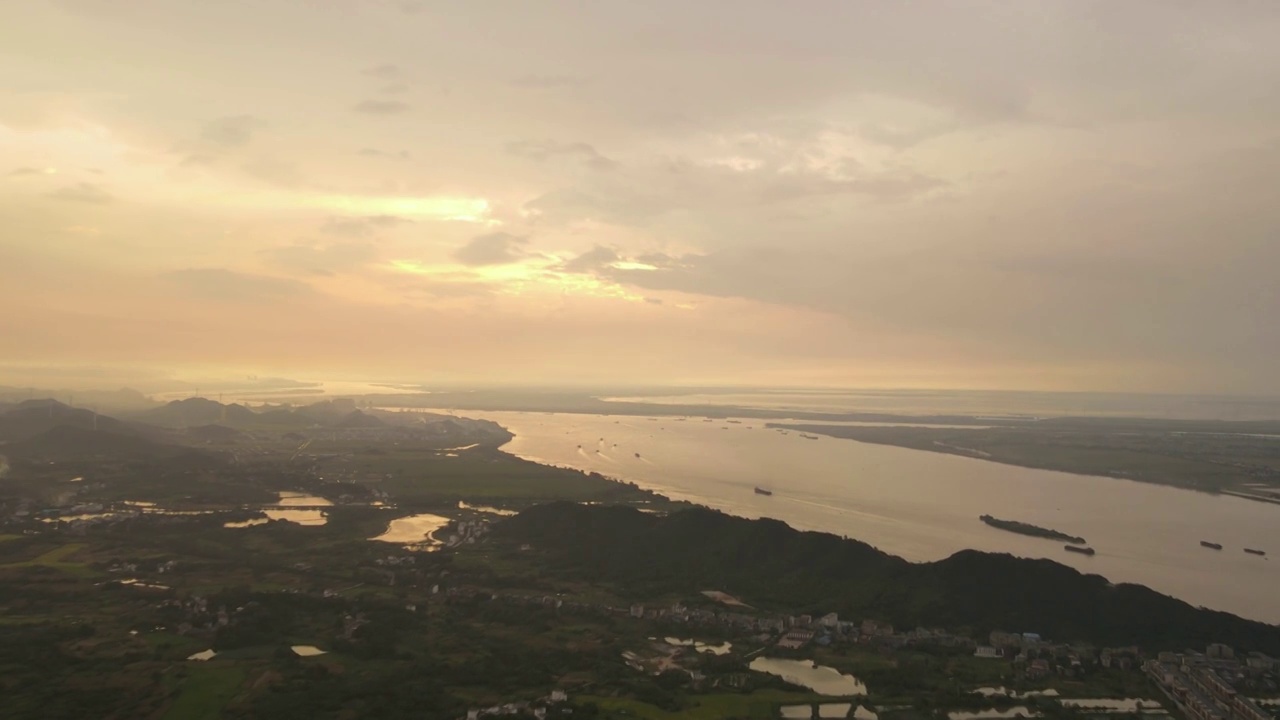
1018, 711
246, 523
202, 655
296, 499
413, 529
297, 515
1006, 692
818, 678
834, 710
1115, 705
485, 509
721, 649
306, 650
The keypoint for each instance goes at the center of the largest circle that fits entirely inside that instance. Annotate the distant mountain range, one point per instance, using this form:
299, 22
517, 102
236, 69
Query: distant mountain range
69, 442
30, 418
45, 429
768, 564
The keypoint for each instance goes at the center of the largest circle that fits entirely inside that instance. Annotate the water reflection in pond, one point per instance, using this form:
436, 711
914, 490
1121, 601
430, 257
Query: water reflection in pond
834, 710
1116, 705
1006, 692
485, 509
307, 650
202, 655
297, 499
1018, 711
246, 523
818, 678
721, 649
299, 516
795, 712
414, 529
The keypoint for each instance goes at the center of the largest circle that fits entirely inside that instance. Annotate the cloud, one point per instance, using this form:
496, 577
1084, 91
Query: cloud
544, 149
497, 248
382, 107
232, 131
23, 171
88, 193
321, 258
230, 285
385, 71
402, 155
361, 226
548, 82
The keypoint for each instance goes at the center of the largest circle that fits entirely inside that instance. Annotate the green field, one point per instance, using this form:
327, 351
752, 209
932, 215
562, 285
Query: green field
55, 559
206, 691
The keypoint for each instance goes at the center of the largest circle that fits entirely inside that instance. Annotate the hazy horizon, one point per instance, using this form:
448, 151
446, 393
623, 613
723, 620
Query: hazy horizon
1059, 196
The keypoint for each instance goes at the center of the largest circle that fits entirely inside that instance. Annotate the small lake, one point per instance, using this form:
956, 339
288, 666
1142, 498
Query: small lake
818, 678
413, 530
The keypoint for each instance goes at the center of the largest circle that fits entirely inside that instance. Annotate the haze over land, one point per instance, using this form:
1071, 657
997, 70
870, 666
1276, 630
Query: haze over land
1056, 195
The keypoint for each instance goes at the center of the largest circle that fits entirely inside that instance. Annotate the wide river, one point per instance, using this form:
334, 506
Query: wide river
925, 506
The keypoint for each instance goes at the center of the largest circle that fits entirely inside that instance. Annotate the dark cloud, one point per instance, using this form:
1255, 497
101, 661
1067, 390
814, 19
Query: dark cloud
384, 71
321, 258
361, 226
230, 285
544, 149
232, 131
382, 107
82, 193
497, 248
593, 260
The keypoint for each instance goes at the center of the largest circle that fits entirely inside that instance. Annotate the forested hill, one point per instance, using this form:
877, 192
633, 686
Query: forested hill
771, 566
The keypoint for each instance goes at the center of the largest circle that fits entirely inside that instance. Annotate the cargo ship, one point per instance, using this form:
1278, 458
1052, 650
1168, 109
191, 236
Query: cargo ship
1081, 550
1210, 545
1252, 551
762, 491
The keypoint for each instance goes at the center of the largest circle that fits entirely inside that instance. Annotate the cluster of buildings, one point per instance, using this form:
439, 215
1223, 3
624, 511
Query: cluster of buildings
537, 708
1036, 657
1207, 686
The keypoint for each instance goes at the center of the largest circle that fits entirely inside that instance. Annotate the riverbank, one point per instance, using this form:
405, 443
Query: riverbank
922, 506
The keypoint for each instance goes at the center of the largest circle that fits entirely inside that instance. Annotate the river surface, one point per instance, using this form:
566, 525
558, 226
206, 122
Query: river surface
924, 506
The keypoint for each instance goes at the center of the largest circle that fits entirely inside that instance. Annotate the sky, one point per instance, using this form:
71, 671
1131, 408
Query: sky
1076, 195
